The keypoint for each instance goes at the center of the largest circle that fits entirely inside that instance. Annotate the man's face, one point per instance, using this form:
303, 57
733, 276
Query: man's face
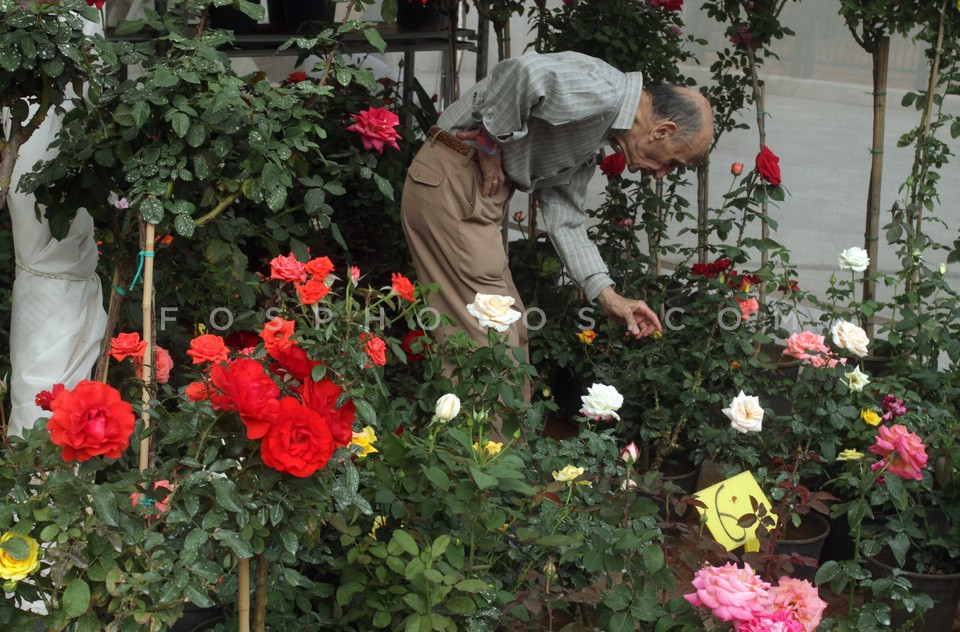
657, 152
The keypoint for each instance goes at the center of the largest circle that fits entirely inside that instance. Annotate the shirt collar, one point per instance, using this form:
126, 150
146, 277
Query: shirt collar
631, 101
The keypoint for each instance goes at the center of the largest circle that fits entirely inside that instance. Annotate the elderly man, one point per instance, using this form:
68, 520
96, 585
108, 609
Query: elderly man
536, 124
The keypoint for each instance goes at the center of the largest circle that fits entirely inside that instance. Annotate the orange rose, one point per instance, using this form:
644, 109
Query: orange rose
276, 335
127, 346
208, 348
319, 268
312, 291
402, 287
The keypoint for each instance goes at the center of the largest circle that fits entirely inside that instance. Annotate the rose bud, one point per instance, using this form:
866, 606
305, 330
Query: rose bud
736, 168
630, 453
447, 407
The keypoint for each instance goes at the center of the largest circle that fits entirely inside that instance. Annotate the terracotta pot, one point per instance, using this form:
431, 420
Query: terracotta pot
943, 589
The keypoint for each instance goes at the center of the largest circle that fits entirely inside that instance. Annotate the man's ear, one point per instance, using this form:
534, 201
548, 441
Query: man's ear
664, 129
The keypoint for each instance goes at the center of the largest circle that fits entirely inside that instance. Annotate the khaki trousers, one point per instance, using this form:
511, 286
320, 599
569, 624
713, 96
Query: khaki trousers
454, 237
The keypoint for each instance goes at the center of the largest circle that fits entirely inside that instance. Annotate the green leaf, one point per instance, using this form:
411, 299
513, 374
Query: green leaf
384, 185
366, 413
461, 605
184, 225
17, 548
163, 78
438, 477
472, 585
180, 123
196, 134
620, 622
105, 504
239, 546
482, 479
76, 598
226, 492
373, 36
152, 210
139, 112
128, 27
653, 558
195, 539
406, 542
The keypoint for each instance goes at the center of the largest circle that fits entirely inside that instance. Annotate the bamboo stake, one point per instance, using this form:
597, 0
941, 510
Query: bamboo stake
703, 190
148, 353
654, 236
759, 99
881, 57
243, 594
260, 591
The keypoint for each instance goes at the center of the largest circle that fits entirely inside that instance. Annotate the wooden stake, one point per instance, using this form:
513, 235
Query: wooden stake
881, 57
148, 353
243, 594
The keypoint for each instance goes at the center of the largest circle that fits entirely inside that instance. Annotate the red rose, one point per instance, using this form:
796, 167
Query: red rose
402, 287
127, 346
375, 348
299, 441
294, 361
91, 420
319, 268
768, 164
208, 348
296, 77
96, 3
741, 35
669, 5
242, 340
376, 128
197, 391
45, 398
321, 397
613, 165
276, 335
312, 291
287, 269
164, 365
247, 389
419, 337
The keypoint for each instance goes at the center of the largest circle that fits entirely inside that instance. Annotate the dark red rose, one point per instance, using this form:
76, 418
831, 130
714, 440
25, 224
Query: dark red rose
613, 165
299, 441
91, 420
246, 388
768, 165
297, 77
242, 340
321, 397
45, 398
415, 336
294, 360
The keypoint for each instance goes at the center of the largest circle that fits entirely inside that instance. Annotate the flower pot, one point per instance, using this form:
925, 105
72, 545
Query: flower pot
785, 369
420, 15
943, 589
231, 19
197, 619
295, 16
807, 540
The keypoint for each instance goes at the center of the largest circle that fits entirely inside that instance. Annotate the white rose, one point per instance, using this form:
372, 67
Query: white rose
855, 259
447, 407
601, 402
857, 379
494, 311
745, 413
848, 336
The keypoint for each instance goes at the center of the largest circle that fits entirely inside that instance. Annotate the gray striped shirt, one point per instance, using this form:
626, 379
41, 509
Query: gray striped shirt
551, 113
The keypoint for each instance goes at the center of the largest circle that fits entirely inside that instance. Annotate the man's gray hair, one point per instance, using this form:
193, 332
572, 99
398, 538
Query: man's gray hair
671, 103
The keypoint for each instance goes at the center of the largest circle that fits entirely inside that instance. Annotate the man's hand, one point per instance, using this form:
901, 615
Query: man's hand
491, 166
639, 319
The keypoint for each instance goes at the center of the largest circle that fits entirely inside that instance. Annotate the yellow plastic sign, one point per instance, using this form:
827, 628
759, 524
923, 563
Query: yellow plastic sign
726, 502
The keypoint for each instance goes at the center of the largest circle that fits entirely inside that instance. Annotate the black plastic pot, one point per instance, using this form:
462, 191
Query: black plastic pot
296, 16
943, 589
420, 15
806, 540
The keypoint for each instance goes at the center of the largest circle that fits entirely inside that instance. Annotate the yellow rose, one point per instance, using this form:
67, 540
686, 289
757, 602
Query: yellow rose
849, 455
568, 473
379, 521
365, 440
13, 569
587, 336
870, 417
493, 448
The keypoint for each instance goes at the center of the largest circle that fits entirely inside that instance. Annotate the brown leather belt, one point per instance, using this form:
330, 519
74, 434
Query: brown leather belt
446, 138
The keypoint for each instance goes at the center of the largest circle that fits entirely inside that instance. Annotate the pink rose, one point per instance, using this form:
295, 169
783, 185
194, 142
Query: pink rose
736, 168
164, 365
731, 593
354, 273
748, 307
893, 407
779, 621
376, 128
801, 599
287, 269
674, 31
902, 450
805, 345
